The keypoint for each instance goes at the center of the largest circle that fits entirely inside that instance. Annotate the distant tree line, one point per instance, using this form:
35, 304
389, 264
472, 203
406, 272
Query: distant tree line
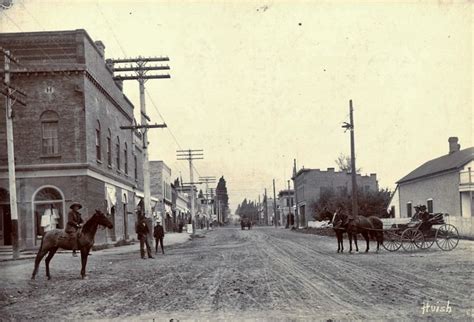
247, 209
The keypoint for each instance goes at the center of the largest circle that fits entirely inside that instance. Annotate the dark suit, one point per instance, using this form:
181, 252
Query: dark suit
142, 232
159, 234
74, 220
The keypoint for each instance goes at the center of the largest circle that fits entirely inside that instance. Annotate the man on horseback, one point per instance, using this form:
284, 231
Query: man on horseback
74, 221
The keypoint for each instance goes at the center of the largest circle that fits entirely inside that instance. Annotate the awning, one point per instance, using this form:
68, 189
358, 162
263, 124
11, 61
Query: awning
110, 196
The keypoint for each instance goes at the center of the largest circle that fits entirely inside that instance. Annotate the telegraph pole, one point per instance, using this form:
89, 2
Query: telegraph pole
350, 126
190, 155
207, 180
213, 204
10, 94
297, 214
289, 204
275, 205
139, 67
266, 208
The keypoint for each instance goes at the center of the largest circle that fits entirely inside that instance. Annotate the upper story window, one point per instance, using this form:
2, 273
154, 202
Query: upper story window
117, 148
430, 205
409, 209
109, 148
135, 166
125, 158
49, 132
98, 153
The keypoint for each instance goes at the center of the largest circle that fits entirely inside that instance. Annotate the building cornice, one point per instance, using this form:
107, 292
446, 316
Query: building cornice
62, 169
96, 83
74, 69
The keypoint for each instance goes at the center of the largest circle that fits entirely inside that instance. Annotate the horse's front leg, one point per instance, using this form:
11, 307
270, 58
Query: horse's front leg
342, 242
48, 259
39, 257
355, 242
338, 242
84, 255
350, 241
337, 238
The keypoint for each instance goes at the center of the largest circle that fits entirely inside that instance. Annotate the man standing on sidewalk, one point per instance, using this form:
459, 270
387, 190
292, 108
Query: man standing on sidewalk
159, 234
142, 232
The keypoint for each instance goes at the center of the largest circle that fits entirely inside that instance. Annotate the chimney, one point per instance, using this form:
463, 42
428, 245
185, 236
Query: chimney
101, 47
453, 144
119, 83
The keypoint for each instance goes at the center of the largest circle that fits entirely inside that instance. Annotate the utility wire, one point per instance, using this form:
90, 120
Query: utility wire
120, 46
111, 30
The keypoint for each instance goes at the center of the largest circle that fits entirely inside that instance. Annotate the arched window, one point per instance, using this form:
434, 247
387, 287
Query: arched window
49, 133
98, 153
117, 148
109, 148
125, 158
48, 207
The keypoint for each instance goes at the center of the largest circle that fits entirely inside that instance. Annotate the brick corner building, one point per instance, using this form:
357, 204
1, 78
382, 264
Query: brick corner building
68, 144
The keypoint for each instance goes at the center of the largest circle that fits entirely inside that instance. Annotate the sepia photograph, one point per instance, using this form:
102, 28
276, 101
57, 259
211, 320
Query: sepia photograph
236, 160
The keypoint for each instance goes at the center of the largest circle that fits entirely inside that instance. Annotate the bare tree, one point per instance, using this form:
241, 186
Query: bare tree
343, 162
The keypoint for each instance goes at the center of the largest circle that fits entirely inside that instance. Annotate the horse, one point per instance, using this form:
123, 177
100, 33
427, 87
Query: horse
327, 215
58, 238
366, 226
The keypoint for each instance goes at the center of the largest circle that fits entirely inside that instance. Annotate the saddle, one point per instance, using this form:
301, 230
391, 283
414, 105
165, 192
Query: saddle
70, 237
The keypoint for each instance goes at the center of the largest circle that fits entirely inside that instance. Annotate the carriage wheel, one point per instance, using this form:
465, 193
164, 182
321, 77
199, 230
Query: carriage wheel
412, 239
391, 241
428, 242
429, 239
447, 237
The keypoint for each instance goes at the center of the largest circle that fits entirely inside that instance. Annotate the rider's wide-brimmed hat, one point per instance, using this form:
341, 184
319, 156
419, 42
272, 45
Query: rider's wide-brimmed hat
75, 204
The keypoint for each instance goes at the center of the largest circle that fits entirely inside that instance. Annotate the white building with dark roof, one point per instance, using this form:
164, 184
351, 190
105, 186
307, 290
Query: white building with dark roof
444, 185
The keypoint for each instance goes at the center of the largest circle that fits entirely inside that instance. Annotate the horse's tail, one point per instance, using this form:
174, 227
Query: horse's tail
377, 226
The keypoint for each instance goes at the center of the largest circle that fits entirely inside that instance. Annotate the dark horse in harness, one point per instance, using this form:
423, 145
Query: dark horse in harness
327, 215
58, 238
368, 227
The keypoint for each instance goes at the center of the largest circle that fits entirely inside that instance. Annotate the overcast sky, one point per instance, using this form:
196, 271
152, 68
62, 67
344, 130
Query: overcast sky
256, 84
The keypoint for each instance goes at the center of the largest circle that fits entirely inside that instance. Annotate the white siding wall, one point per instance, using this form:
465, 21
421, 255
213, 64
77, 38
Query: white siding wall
443, 189
395, 202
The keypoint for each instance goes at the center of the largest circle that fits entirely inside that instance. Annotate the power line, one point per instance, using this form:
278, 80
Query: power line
69, 78
110, 28
168, 128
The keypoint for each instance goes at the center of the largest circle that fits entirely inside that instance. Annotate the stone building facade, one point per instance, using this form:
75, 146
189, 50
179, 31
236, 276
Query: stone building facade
310, 183
285, 205
68, 142
160, 187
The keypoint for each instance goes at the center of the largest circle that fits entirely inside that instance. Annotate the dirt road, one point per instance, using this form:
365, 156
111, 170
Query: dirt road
262, 274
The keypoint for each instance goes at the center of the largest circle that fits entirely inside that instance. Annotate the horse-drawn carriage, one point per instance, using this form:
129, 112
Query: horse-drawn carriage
245, 222
421, 233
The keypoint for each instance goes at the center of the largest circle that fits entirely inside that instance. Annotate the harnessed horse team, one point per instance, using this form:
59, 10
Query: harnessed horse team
368, 227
